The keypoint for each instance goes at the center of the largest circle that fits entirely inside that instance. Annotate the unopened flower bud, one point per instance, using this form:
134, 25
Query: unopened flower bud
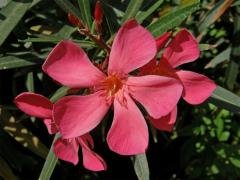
162, 40
75, 21
98, 13
98, 17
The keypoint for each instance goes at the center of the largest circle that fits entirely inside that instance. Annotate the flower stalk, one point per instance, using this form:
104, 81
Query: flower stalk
85, 31
97, 39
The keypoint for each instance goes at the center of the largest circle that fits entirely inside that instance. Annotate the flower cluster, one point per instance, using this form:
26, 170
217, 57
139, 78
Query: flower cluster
134, 76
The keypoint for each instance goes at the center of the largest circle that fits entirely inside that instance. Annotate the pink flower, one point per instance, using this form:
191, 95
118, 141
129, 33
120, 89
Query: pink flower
196, 87
66, 149
75, 115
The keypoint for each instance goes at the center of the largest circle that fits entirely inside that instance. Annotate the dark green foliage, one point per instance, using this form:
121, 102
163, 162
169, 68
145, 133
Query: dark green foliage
205, 140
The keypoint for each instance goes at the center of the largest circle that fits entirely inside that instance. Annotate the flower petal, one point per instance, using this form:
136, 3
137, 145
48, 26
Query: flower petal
132, 47
158, 94
91, 160
148, 68
89, 140
162, 40
128, 134
67, 150
51, 126
167, 122
77, 115
34, 105
69, 65
182, 49
197, 87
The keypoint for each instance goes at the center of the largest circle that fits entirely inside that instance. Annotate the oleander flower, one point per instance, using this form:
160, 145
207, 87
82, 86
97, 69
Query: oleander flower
66, 149
183, 48
75, 115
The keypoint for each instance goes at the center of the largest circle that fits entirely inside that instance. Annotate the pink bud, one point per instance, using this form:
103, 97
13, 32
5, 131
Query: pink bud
162, 40
98, 14
75, 21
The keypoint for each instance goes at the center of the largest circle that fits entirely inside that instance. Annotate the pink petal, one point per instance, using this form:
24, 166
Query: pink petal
197, 87
165, 123
128, 134
88, 139
162, 40
132, 47
91, 160
67, 150
182, 49
77, 115
51, 126
158, 94
69, 65
34, 105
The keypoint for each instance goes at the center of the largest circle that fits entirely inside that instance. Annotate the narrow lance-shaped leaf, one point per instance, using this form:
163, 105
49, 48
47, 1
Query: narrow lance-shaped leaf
11, 15
221, 57
5, 171
82, 43
141, 168
65, 32
220, 7
51, 159
233, 66
9, 62
68, 7
173, 18
21, 134
30, 82
235, 3
85, 11
144, 15
50, 163
225, 99
132, 9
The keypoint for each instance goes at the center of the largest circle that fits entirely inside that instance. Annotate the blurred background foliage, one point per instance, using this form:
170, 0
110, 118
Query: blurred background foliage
205, 140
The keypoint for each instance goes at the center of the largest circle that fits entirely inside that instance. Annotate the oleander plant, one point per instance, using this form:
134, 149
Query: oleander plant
124, 89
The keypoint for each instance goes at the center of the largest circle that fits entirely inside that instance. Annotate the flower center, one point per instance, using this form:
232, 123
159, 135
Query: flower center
112, 84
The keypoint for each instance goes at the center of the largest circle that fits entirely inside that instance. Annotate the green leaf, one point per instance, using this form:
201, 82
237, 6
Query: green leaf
236, 3
214, 169
3, 3
5, 171
11, 15
9, 62
50, 163
65, 32
21, 134
232, 74
225, 99
14, 157
233, 67
221, 57
132, 9
85, 11
51, 159
55, 40
173, 18
224, 136
144, 15
68, 7
220, 127
235, 162
215, 12
30, 82
141, 168
205, 47
62, 91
